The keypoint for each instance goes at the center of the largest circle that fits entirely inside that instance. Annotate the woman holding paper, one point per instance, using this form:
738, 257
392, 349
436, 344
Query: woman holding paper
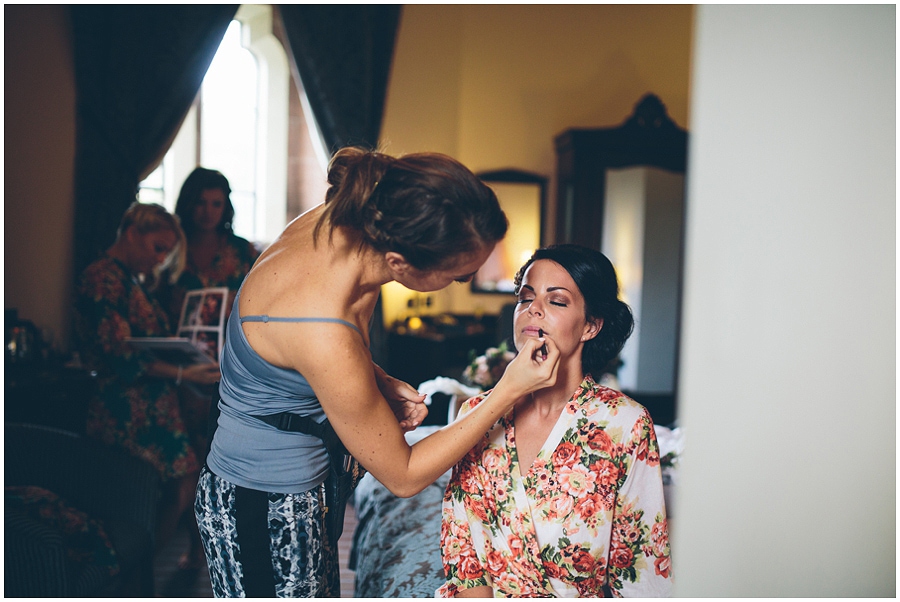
136, 405
215, 255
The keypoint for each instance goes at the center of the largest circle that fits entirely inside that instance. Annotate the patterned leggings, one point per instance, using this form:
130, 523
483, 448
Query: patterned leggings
262, 544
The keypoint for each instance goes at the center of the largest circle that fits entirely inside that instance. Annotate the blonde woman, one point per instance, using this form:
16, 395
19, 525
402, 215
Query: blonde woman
136, 405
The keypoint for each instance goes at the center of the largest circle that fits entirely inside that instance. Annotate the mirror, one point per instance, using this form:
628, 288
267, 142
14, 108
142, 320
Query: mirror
522, 196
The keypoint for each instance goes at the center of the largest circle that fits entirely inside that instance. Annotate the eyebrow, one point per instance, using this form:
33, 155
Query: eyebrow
549, 290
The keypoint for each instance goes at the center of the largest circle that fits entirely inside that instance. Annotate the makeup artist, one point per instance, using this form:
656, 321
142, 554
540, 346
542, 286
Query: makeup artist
298, 343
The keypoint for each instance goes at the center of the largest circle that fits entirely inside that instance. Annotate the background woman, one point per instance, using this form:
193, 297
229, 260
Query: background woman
216, 256
563, 496
136, 406
298, 342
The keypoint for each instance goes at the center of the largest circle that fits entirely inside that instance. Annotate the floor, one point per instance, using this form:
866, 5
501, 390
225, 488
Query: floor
172, 583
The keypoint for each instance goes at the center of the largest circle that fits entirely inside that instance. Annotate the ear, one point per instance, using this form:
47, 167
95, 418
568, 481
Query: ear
592, 329
397, 263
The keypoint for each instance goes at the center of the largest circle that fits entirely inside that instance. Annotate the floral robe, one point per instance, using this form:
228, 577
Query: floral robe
229, 268
587, 520
131, 409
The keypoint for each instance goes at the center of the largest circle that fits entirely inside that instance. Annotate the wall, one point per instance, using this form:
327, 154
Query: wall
788, 381
493, 85
490, 85
39, 151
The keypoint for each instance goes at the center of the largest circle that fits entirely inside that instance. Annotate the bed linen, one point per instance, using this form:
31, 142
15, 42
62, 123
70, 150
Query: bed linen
396, 545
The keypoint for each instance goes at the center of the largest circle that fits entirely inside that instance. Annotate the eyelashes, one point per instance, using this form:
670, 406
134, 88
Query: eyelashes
556, 303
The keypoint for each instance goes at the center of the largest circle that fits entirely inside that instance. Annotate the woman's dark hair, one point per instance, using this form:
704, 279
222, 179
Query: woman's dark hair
202, 179
426, 206
596, 279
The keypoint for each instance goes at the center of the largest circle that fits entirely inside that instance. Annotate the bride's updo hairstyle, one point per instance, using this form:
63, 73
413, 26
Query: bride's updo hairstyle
595, 277
426, 206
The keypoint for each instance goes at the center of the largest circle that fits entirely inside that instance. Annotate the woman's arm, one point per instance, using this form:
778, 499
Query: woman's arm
640, 511
339, 370
406, 402
482, 591
201, 374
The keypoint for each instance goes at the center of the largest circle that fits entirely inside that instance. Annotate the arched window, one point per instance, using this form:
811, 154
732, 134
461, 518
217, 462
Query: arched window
229, 126
240, 125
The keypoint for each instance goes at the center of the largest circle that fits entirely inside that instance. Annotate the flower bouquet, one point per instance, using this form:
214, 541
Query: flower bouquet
485, 370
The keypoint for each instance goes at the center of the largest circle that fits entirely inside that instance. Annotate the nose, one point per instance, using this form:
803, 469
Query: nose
535, 309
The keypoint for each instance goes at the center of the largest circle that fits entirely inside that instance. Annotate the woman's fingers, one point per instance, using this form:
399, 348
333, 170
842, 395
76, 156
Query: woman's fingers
534, 367
204, 374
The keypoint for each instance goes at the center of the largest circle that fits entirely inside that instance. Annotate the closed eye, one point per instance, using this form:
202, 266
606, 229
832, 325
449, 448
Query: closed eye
464, 279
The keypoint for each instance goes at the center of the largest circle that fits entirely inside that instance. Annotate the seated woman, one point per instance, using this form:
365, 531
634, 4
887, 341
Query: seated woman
563, 497
136, 405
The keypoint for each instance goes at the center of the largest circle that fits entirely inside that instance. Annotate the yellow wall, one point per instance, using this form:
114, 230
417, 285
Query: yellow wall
489, 85
38, 166
493, 85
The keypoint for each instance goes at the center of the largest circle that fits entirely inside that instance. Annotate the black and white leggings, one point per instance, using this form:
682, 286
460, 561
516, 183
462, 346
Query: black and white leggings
265, 545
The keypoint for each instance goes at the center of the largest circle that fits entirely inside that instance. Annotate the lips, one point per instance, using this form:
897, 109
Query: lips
531, 330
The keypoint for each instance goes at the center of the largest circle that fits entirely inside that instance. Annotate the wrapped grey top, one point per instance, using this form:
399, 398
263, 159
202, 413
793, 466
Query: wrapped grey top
245, 450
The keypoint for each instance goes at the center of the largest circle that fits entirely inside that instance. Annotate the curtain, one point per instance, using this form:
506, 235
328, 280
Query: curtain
138, 68
342, 55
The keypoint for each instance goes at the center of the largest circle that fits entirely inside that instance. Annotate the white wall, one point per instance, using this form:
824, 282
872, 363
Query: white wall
788, 382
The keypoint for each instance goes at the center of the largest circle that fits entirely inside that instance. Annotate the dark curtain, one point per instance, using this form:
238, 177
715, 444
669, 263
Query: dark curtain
138, 68
342, 55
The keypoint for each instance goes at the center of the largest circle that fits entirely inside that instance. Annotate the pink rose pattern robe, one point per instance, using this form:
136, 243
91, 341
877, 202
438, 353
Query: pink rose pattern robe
587, 519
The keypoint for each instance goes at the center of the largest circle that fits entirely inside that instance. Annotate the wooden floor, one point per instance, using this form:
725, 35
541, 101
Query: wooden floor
172, 583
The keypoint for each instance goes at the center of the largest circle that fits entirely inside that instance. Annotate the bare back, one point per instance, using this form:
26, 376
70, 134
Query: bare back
296, 278
338, 279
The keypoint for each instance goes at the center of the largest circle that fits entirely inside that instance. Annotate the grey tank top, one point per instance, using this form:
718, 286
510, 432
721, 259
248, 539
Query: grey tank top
245, 450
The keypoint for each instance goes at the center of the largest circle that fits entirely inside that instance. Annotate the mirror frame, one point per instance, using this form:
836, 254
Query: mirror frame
516, 176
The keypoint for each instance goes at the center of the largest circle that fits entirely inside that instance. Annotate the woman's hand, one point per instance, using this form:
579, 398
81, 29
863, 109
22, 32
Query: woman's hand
406, 403
202, 374
534, 368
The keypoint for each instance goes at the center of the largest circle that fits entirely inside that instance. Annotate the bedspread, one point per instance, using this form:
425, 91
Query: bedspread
396, 545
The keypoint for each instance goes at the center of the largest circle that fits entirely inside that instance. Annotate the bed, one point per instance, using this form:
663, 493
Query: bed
396, 544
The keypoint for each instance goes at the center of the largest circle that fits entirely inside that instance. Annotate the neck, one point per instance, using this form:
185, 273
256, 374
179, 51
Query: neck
553, 399
370, 265
117, 251
204, 237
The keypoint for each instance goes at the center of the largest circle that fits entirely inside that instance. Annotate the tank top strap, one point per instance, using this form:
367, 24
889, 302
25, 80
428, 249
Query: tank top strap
266, 319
